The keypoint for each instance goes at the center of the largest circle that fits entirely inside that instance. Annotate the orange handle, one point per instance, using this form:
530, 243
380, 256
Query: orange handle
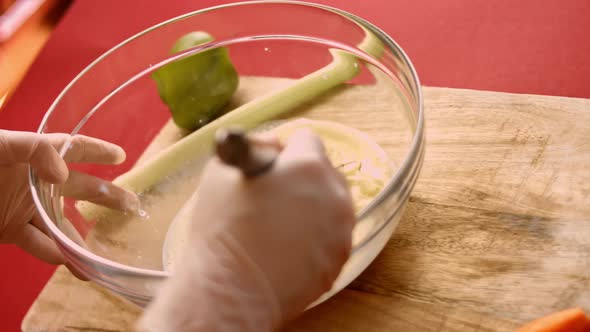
571, 320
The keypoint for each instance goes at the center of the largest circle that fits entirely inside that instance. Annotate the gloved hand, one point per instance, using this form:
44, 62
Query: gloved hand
261, 249
19, 222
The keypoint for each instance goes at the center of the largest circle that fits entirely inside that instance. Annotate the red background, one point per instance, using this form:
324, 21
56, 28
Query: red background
526, 46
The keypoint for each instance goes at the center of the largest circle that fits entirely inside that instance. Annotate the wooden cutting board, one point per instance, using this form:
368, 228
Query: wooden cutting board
496, 232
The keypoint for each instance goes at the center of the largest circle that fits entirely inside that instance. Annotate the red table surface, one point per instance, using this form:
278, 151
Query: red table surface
526, 46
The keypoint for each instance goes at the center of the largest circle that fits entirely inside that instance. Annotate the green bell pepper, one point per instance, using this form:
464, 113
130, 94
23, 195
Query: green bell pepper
197, 88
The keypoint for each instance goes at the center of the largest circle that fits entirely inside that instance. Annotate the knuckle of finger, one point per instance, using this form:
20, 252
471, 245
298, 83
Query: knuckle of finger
43, 145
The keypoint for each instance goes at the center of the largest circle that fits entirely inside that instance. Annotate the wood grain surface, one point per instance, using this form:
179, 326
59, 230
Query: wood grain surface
496, 232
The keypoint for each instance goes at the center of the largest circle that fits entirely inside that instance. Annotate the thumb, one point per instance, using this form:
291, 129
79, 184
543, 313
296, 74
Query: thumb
35, 149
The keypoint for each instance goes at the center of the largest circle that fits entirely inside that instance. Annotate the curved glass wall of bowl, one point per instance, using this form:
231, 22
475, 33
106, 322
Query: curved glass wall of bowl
348, 72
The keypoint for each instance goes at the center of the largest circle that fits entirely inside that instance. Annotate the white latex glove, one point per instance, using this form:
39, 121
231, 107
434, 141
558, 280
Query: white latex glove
19, 222
261, 249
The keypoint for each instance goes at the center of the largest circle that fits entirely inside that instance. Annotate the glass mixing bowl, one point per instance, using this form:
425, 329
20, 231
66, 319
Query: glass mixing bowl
273, 45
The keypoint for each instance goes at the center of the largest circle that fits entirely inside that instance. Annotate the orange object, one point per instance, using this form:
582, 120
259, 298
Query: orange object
571, 320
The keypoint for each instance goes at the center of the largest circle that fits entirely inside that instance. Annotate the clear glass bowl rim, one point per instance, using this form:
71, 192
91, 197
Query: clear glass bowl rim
409, 169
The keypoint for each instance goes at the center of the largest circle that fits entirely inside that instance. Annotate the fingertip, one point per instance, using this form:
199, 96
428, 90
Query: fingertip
119, 154
88, 149
86, 187
103, 152
131, 203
